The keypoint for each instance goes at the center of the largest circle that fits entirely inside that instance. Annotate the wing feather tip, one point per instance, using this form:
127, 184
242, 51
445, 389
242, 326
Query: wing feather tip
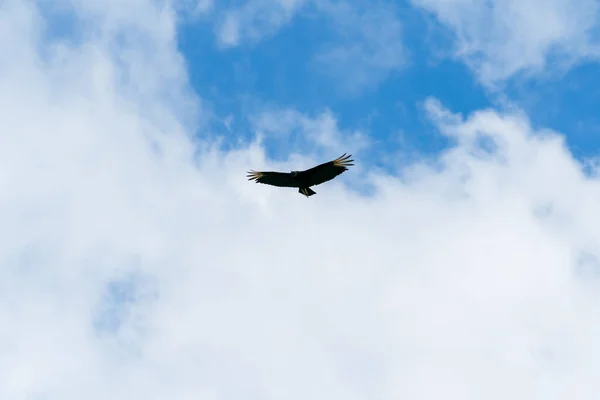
343, 161
254, 175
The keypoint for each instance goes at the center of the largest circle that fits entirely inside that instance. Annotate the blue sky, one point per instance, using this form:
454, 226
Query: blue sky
279, 71
458, 257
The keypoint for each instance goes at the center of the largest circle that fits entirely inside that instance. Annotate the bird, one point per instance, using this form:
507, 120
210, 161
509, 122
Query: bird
303, 180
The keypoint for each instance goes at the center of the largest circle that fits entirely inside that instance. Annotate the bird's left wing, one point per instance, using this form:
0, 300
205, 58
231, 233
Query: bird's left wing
327, 171
280, 179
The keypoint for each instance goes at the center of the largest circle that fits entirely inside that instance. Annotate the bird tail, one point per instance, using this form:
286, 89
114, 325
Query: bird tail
306, 191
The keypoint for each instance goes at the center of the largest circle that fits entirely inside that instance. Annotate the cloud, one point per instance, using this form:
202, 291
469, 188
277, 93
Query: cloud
295, 130
254, 20
204, 6
368, 46
499, 39
193, 10
362, 47
136, 263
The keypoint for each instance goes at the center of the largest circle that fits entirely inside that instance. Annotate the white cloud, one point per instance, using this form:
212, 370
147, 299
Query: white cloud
193, 10
254, 20
130, 270
204, 6
229, 32
366, 45
499, 39
369, 46
296, 130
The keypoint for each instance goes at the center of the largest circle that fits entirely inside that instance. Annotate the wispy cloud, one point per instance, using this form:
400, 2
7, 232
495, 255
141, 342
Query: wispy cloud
368, 46
499, 39
362, 46
301, 132
254, 20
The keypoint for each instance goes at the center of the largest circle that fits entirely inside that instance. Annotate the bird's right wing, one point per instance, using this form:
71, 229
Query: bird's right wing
280, 179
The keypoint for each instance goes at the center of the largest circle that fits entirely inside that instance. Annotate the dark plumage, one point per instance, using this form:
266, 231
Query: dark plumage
304, 179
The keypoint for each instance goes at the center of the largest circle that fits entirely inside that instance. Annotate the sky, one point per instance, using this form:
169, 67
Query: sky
459, 257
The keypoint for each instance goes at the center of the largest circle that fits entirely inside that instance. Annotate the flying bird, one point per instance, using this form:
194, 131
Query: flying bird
303, 180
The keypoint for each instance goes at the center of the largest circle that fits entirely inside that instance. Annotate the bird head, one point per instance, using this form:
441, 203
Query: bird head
294, 173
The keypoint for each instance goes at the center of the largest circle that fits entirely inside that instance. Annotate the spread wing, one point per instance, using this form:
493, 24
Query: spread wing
327, 171
281, 179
